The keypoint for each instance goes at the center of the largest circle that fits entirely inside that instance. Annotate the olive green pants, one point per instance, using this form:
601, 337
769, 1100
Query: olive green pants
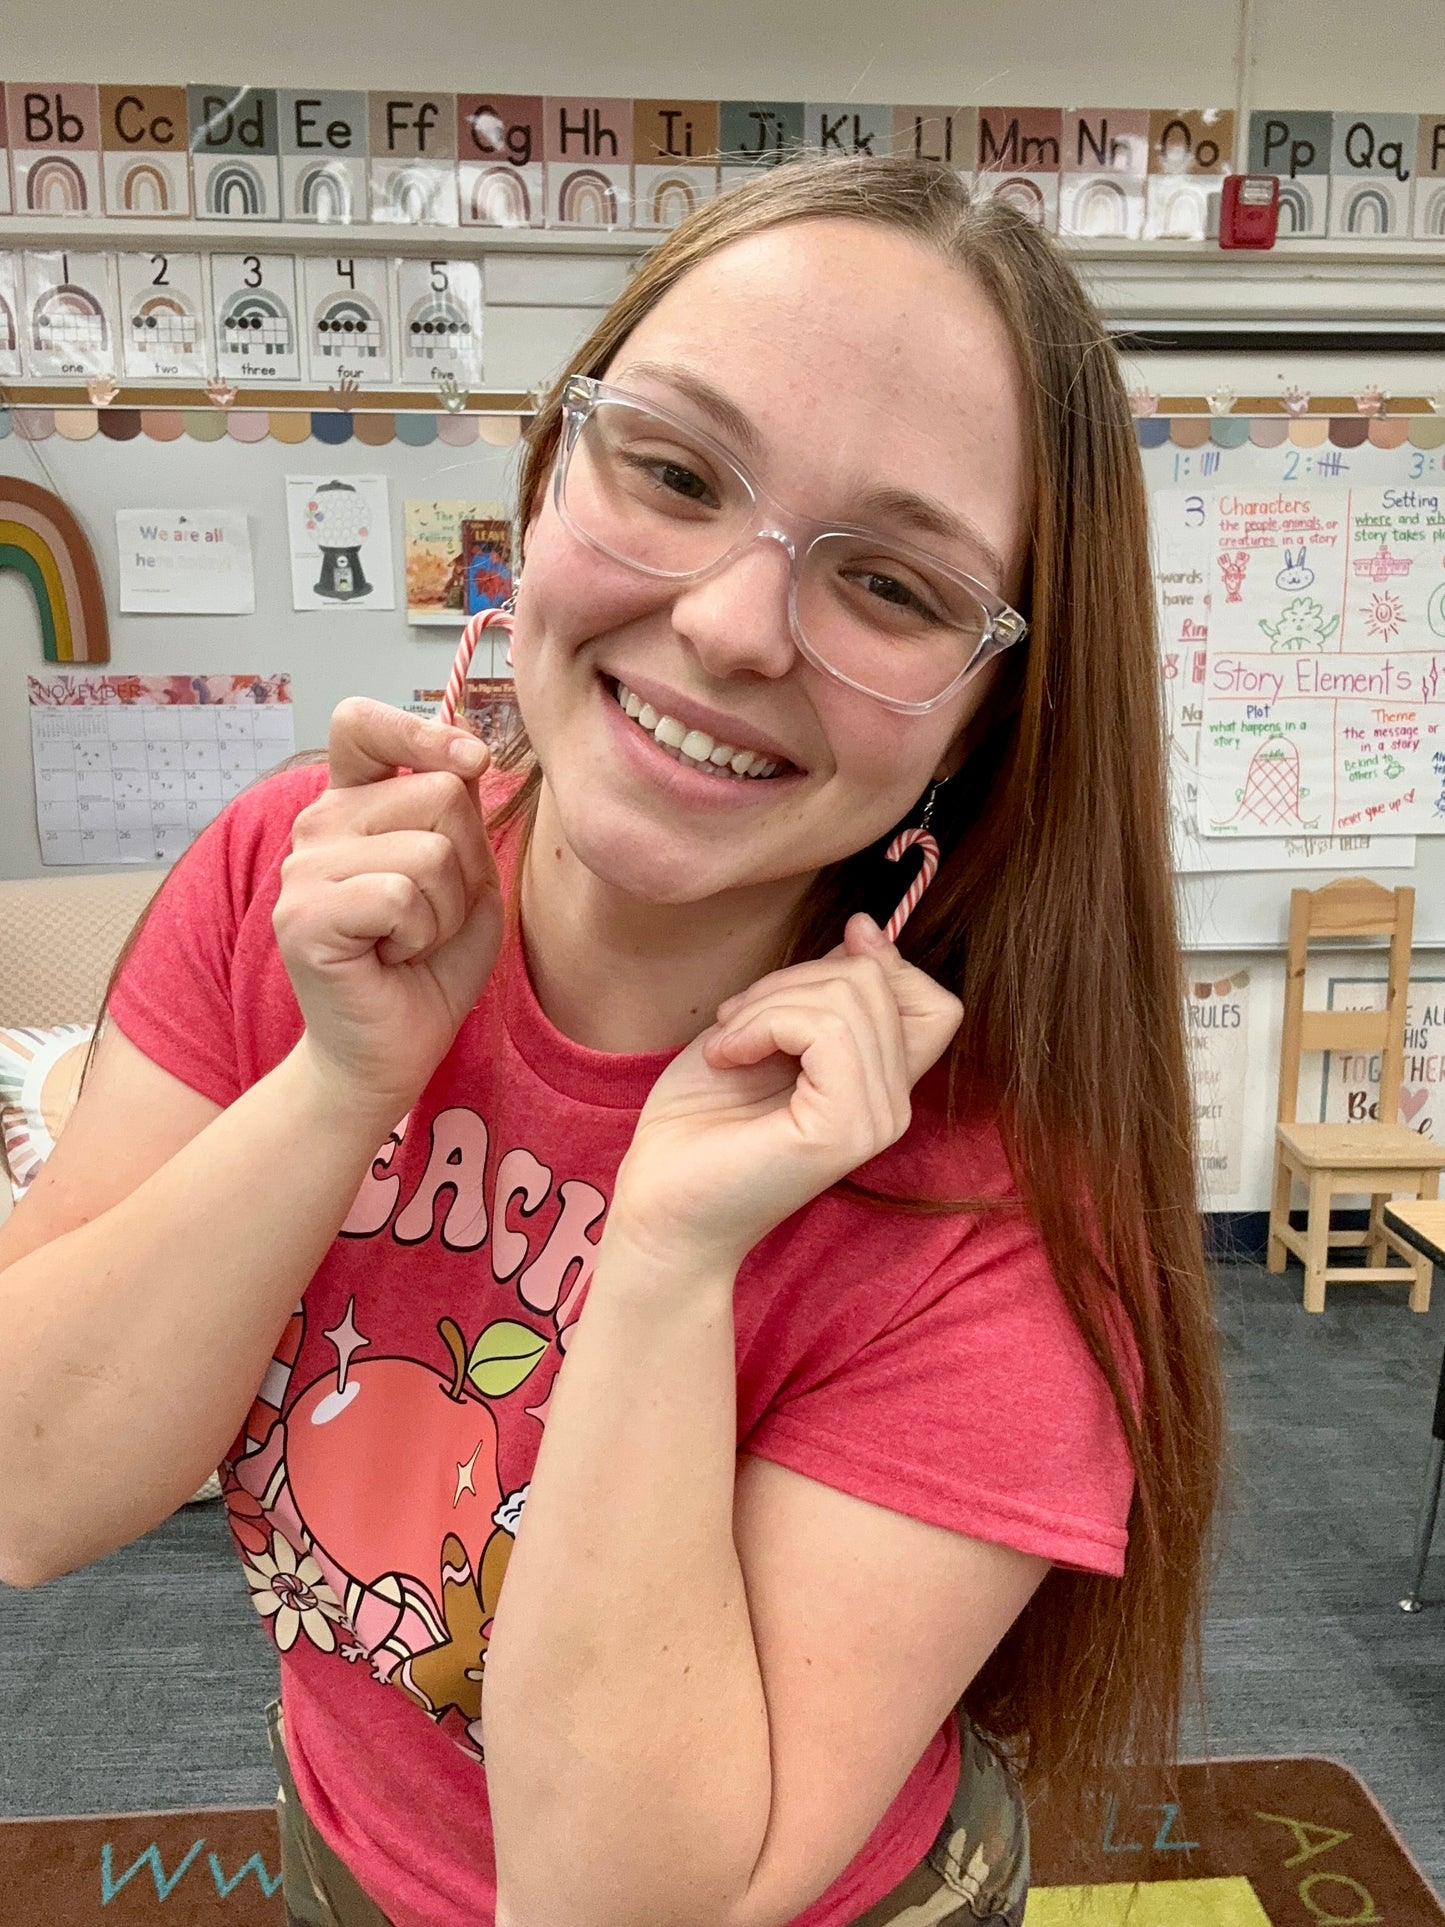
977, 1870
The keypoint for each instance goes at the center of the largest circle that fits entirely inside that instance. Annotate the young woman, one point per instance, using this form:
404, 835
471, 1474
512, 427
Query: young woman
876, 1268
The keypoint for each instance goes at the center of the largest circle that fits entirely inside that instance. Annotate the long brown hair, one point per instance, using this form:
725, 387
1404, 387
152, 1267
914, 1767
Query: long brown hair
1052, 917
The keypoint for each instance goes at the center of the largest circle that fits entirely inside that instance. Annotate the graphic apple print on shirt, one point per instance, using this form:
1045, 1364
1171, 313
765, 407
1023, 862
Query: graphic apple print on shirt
385, 1457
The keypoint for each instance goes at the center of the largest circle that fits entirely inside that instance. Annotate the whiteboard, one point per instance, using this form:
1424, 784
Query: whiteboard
1248, 908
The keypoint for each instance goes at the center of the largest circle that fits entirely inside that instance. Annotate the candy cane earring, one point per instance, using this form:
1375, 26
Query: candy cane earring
467, 648
927, 846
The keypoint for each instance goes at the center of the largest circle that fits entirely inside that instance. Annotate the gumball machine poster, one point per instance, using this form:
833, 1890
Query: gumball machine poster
339, 529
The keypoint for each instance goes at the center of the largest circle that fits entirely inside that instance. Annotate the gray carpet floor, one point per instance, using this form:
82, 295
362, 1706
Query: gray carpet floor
141, 1682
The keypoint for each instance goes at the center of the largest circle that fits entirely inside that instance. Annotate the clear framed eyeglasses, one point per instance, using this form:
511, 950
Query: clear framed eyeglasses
651, 490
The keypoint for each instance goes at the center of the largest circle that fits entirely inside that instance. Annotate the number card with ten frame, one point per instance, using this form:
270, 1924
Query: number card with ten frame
253, 312
163, 317
346, 300
440, 309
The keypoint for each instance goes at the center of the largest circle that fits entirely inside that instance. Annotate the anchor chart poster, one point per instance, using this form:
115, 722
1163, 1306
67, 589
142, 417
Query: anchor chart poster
1323, 708
1183, 543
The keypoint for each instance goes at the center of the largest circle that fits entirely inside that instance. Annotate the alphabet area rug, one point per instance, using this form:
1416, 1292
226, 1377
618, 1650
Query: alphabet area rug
1294, 1842
1291, 1842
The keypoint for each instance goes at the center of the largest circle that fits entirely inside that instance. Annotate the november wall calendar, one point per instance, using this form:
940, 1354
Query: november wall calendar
130, 769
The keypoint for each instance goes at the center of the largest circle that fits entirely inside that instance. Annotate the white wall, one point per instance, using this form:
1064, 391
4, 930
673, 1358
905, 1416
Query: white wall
1308, 53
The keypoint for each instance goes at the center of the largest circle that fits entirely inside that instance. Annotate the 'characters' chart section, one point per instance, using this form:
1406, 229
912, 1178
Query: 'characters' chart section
1324, 701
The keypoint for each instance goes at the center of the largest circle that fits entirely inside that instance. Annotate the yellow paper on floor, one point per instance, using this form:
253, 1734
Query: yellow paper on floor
1228, 1902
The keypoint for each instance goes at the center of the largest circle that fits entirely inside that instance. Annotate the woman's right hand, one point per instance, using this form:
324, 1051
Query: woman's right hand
390, 914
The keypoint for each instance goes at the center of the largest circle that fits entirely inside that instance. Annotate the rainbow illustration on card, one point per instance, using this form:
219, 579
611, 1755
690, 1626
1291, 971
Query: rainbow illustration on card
41, 540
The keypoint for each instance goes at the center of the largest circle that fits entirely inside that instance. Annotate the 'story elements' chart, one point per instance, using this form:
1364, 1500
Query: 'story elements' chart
1323, 698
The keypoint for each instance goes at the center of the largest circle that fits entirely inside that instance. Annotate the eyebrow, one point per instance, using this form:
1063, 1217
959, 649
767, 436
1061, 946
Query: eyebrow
886, 501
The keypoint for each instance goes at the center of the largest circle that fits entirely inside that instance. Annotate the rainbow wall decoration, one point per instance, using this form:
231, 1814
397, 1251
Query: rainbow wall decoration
41, 539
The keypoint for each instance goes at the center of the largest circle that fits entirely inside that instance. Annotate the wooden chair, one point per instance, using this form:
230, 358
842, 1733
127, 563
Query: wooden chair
1378, 1159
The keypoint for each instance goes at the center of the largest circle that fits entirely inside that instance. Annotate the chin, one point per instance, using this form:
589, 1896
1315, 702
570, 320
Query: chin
641, 861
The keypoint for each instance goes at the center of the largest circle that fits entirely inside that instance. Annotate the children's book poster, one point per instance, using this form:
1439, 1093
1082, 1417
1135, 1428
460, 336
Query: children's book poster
340, 537
486, 562
489, 704
436, 591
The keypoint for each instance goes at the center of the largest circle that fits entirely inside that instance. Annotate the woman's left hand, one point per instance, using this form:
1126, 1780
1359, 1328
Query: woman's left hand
804, 1076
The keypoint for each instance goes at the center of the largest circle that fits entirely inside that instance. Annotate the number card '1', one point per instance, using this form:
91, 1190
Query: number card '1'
70, 315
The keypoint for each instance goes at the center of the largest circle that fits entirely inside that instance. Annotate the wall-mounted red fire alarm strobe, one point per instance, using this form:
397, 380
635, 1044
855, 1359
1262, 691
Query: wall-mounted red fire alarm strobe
1249, 211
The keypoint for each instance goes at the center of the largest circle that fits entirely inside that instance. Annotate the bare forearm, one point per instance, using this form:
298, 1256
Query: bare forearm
625, 1723
135, 1343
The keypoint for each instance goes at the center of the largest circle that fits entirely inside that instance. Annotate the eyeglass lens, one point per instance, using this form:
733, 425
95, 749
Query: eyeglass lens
642, 491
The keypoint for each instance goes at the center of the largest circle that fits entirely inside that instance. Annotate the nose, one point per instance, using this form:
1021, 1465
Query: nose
736, 619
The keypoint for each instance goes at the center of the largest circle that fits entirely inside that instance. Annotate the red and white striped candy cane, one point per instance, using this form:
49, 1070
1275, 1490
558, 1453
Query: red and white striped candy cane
928, 850
466, 649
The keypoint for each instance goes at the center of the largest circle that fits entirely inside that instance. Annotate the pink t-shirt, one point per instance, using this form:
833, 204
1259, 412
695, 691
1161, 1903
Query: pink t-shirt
925, 1363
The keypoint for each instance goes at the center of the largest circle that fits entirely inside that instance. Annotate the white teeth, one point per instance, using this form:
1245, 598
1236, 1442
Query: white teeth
694, 747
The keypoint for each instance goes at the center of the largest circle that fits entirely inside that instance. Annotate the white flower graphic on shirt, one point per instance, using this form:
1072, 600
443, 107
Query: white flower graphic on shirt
295, 1592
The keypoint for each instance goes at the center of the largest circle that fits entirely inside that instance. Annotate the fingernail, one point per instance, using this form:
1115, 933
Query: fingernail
468, 754
870, 928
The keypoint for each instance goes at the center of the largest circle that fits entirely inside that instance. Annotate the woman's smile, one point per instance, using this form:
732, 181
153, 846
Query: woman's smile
669, 752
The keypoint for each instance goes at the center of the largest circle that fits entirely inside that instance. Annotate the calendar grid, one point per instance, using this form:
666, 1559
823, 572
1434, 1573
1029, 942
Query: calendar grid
130, 769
